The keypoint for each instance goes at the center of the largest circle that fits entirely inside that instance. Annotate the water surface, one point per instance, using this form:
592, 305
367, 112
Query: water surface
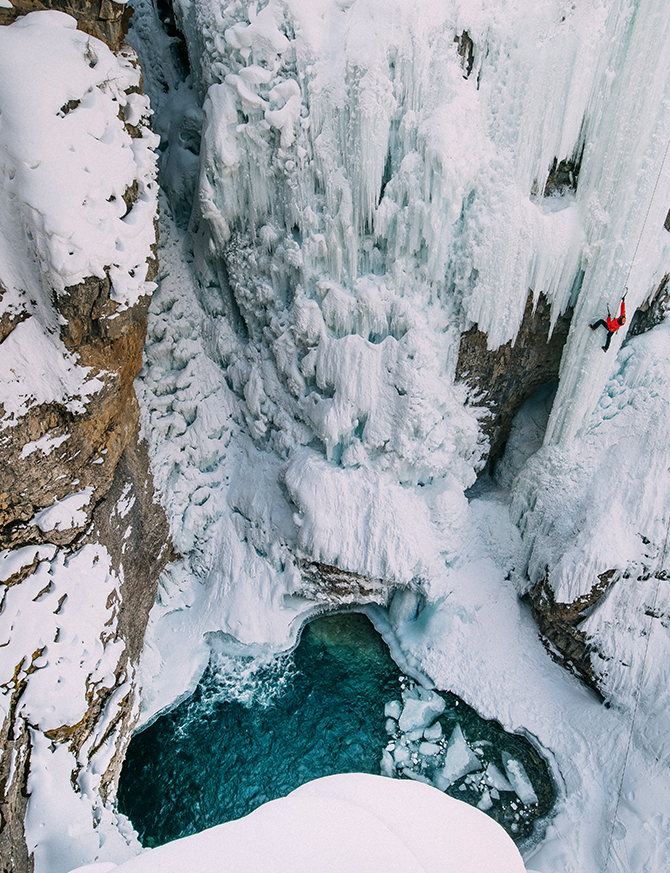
253, 733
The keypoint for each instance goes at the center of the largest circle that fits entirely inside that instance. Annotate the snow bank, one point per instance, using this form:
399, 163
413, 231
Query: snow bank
68, 159
349, 822
66, 163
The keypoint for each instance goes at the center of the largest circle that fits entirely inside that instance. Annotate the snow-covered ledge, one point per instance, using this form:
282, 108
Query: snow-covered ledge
343, 823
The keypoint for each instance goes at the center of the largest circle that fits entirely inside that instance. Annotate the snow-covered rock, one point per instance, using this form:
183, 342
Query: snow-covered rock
341, 823
80, 554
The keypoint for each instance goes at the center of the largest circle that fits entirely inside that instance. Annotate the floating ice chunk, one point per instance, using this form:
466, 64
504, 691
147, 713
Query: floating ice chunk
401, 755
459, 761
434, 732
388, 764
495, 778
421, 708
417, 777
393, 709
391, 726
427, 749
485, 801
519, 779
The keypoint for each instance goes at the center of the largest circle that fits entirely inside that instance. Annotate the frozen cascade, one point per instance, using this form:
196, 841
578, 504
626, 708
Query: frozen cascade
626, 145
363, 197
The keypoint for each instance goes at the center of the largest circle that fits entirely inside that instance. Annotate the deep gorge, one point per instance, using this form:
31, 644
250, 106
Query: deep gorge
345, 366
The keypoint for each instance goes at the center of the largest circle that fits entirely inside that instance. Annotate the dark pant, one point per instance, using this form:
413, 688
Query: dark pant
610, 333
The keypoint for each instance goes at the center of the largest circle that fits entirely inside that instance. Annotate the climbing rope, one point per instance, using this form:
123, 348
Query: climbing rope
637, 696
644, 223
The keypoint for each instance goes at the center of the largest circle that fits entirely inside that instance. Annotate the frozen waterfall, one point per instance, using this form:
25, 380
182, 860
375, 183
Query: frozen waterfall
373, 181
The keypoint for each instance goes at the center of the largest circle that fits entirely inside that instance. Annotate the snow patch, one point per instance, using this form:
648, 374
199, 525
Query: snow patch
45, 444
66, 513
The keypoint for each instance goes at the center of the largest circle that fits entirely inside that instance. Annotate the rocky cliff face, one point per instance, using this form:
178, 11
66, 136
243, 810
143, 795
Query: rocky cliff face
504, 378
82, 537
104, 19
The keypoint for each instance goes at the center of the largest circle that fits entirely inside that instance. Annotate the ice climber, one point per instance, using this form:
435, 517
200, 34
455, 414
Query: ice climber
612, 324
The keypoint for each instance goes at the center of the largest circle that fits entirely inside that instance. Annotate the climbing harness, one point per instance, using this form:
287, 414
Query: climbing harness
652, 612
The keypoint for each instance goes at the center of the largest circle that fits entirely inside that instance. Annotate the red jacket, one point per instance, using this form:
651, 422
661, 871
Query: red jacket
613, 324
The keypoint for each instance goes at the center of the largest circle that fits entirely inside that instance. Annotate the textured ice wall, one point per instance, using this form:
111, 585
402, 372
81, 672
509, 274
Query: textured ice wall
371, 182
624, 193
357, 167
596, 498
365, 192
354, 135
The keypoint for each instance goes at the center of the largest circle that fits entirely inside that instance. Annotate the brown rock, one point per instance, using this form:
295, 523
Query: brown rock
503, 379
14, 770
137, 538
101, 452
654, 312
328, 584
559, 626
104, 19
112, 347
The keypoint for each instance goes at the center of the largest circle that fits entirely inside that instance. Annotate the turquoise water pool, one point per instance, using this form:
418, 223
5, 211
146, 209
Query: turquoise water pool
251, 733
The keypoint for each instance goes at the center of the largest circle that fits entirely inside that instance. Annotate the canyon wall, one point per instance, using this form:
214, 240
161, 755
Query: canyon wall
82, 535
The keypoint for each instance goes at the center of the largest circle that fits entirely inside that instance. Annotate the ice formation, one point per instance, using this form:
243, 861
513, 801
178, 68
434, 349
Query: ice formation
355, 209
